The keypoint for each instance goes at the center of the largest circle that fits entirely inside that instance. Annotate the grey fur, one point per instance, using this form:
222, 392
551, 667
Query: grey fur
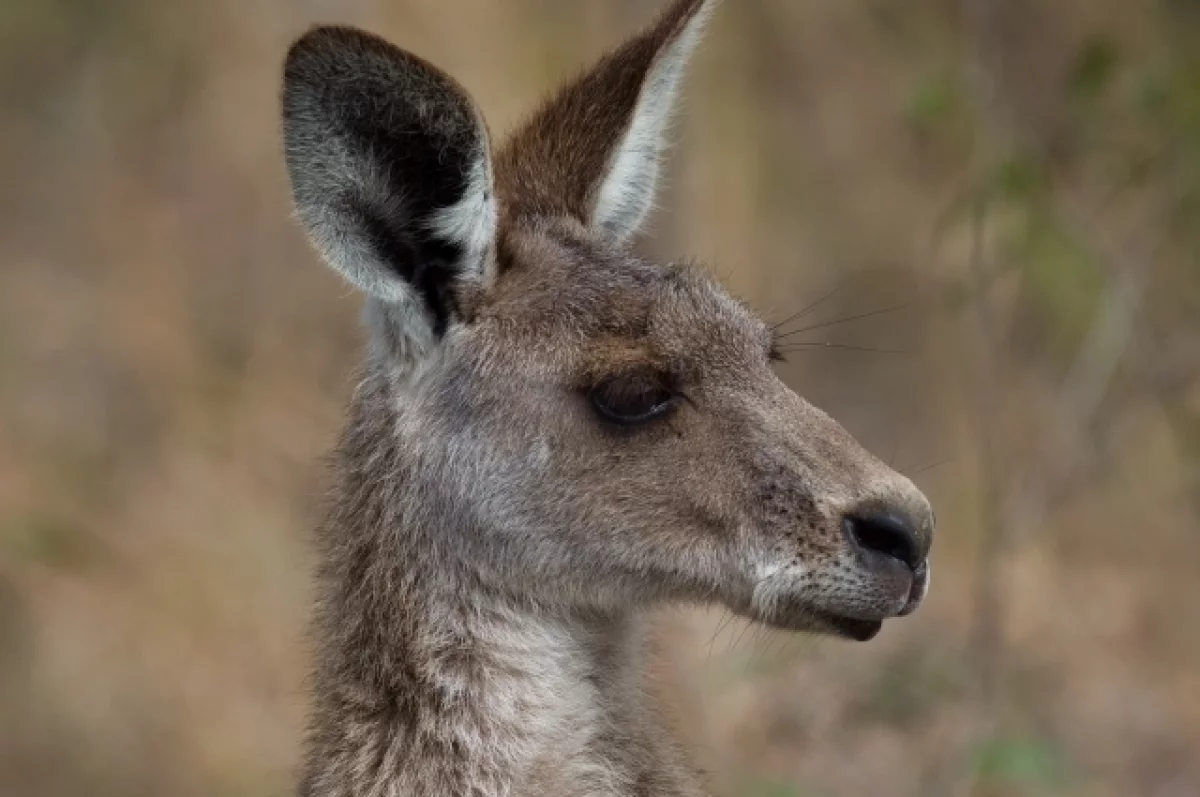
494, 544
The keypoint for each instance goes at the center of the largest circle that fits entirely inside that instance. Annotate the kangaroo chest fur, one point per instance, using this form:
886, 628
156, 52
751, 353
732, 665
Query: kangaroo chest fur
526, 712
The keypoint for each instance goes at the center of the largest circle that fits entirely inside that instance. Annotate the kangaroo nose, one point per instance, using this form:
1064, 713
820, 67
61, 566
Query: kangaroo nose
892, 535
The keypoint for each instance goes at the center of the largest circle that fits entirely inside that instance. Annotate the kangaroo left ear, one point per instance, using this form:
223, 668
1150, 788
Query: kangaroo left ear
392, 176
593, 152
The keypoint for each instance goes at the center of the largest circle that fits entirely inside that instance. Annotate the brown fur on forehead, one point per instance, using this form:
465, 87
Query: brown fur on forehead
561, 280
613, 356
693, 316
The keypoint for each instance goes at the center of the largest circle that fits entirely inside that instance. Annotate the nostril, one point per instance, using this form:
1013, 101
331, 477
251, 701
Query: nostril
886, 534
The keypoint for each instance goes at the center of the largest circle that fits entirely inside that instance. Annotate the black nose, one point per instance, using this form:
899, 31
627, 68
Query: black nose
891, 535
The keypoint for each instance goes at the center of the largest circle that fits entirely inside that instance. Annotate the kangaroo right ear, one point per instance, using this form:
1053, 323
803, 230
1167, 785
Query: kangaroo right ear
593, 151
391, 173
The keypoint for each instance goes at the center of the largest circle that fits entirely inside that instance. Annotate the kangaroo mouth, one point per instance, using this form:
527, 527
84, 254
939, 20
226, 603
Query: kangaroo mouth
817, 621
862, 630
798, 614
850, 628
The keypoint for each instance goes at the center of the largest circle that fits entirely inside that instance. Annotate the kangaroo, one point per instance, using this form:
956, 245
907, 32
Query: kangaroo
551, 436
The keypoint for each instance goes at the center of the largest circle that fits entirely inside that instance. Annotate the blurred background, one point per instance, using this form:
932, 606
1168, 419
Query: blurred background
1017, 182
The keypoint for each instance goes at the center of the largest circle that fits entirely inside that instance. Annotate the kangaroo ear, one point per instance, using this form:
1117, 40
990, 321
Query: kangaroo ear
593, 151
391, 173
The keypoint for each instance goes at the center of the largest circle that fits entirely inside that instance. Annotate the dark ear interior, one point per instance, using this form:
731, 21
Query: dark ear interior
390, 168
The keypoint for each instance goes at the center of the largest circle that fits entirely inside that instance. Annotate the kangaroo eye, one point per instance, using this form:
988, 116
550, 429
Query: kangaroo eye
633, 398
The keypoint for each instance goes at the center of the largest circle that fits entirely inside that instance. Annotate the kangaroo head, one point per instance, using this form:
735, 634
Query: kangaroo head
587, 430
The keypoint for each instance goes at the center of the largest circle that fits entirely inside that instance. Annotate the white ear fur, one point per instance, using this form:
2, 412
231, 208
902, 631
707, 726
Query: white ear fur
626, 194
471, 221
336, 233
